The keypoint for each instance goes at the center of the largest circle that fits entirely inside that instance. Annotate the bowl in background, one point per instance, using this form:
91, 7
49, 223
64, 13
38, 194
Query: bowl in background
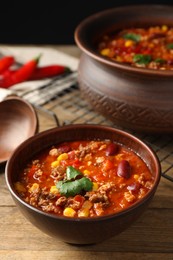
132, 97
80, 230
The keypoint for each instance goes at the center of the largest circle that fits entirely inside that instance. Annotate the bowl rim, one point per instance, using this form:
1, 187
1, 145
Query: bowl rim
86, 22
54, 130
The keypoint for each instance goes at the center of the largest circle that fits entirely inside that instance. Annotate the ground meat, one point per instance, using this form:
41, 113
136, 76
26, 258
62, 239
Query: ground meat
35, 162
33, 200
142, 193
106, 187
122, 185
38, 174
49, 208
99, 160
98, 208
90, 148
61, 201
102, 147
129, 196
54, 152
35, 192
148, 185
96, 197
153, 65
58, 173
141, 179
81, 152
42, 202
88, 157
41, 197
73, 204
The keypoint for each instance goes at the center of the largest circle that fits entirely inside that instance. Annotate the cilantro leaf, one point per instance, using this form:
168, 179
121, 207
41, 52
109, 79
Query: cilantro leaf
72, 173
142, 59
169, 46
132, 36
72, 188
159, 60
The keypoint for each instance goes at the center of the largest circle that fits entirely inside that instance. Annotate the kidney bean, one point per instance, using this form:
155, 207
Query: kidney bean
157, 35
64, 149
170, 62
112, 149
71, 155
124, 169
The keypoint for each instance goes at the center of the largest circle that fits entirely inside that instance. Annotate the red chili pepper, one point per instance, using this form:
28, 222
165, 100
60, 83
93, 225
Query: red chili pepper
48, 71
6, 62
7, 73
20, 75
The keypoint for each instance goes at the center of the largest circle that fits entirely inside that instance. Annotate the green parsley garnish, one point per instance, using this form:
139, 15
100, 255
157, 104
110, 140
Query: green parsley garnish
142, 59
169, 46
74, 184
72, 173
159, 60
132, 36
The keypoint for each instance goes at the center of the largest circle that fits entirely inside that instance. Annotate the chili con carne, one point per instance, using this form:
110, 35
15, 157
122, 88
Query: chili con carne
150, 47
84, 179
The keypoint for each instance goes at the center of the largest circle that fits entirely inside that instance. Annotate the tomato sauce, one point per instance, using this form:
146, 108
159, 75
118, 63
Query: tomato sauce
84, 179
150, 47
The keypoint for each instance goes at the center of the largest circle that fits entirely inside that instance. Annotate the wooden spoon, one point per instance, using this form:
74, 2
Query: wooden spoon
18, 121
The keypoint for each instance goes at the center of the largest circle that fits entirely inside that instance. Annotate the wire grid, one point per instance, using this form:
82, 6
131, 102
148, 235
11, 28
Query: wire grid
68, 107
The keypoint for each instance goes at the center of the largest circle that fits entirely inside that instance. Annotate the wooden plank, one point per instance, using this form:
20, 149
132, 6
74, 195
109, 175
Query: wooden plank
84, 255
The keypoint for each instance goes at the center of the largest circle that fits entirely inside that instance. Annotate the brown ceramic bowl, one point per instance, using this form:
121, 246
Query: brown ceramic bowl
135, 98
73, 230
18, 121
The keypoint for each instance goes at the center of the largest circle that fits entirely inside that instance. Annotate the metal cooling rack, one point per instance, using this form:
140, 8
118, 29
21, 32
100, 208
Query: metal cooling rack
65, 105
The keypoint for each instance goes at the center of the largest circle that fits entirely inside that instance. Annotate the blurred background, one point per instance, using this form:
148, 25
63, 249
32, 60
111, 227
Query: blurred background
52, 22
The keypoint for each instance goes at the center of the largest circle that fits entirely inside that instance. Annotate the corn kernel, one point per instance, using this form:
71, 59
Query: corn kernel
164, 28
54, 164
62, 156
54, 190
129, 43
151, 45
95, 186
86, 172
119, 156
87, 205
69, 212
34, 188
83, 213
85, 210
118, 58
19, 187
105, 52
136, 176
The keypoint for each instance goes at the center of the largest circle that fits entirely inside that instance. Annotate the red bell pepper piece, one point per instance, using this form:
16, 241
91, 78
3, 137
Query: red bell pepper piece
6, 62
48, 71
20, 75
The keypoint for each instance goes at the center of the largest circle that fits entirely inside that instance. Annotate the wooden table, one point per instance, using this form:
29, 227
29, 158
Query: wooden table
150, 237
